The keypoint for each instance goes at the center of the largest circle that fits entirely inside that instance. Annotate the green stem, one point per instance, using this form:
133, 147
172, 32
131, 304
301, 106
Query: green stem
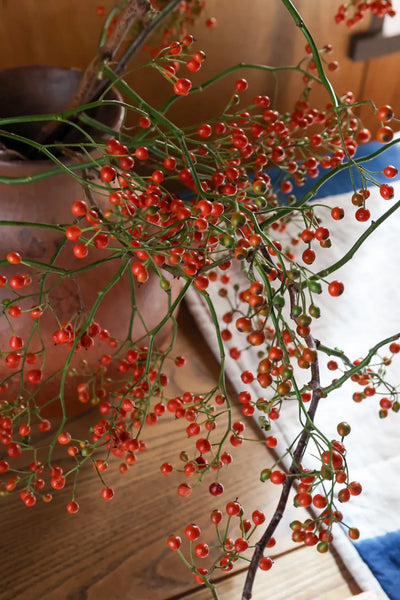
141, 103
232, 69
339, 382
297, 18
283, 211
94, 307
349, 255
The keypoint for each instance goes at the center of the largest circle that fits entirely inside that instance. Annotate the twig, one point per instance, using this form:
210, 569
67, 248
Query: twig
317, 394
134, 10
147, 30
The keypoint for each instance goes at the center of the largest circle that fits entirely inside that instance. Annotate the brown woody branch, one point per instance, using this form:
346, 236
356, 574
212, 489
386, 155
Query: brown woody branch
86, 92
298, 453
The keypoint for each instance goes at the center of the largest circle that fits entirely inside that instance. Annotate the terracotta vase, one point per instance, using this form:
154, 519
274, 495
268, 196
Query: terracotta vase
41, 90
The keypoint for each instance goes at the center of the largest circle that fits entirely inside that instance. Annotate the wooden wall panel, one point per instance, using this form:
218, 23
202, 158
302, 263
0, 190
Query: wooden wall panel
62, 32
261, 31
65, 33
382, 85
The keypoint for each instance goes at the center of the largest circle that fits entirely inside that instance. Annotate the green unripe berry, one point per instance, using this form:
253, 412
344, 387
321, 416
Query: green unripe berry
265, 475
296, 311
314, 311
314, 286
278, 301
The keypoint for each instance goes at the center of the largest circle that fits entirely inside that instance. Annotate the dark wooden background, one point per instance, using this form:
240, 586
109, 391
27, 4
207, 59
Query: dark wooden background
65, 33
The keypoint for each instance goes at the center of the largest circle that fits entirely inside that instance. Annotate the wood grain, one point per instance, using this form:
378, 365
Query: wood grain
293, 575
117, 550
65, 33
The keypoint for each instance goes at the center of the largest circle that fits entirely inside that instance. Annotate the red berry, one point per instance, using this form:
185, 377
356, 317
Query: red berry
73, 233
57, 482
107, 493
201, 550
126, 163
241, 545
385, 113
308, 256
265, 563
363, 214
199, 575
29, 499
4, 466
193, 66
72, 507
258, 517
277, 477
336, 288
79, 208
108, 174
271, 441
307, 235
386, 191
332, 457
14, 258
81, 250
337, 213
184, 490
182, 87
241, 85
354, 533
355, 488
14, 450
144, 122
390, 171
17, 282
363, 136
384, 134
16, 342
233, 509
64, 438
205, 130
199, 56
192, 532
201, 282
44, 425
211, 22
166, 468
142, 153
216, 489
321, 234
34, 376
174, 542
319, 501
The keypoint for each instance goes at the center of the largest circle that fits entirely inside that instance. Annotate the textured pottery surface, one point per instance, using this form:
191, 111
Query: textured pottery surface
48, 201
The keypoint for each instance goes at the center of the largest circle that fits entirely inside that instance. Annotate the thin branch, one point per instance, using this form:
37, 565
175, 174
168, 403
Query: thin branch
134, 10
317, 394
147, 30
350, 253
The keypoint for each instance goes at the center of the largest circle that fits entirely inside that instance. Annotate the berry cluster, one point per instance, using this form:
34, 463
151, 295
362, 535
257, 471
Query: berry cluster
227, 550
354, 11
164, 204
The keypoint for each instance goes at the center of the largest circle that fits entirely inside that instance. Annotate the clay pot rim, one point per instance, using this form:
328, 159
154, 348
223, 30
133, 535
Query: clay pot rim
43, 164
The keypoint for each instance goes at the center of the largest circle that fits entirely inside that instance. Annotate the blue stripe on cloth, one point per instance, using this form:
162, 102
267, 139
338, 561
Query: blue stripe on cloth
382, 555
341, 182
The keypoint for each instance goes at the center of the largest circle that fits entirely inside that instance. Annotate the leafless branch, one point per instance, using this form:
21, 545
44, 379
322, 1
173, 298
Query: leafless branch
298, 453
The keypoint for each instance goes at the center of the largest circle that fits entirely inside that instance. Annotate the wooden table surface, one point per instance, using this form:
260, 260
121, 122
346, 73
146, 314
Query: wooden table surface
117, 550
